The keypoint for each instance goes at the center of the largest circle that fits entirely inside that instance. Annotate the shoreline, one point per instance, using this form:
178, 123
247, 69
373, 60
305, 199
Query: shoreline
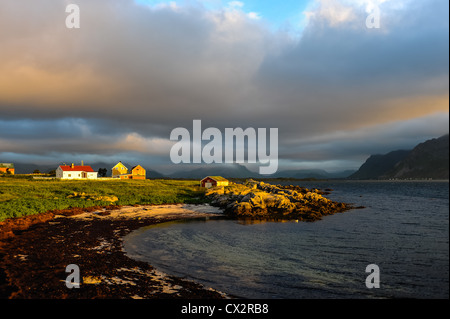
35, 250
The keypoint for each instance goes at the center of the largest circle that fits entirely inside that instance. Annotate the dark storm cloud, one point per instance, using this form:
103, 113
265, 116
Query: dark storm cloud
337, 76
131, 74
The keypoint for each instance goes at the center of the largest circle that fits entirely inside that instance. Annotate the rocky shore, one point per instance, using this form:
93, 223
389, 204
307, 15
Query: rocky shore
261, 200
35, 250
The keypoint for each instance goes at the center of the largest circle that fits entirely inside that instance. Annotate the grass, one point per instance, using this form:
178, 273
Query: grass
23, 196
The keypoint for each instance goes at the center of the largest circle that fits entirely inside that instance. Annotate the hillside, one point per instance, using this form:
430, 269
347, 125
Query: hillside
225, 170
429, 159
240, 171
377, 165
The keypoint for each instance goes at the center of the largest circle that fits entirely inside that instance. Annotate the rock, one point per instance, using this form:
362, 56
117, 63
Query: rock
243, 209
258, 201
215, 190
262, 200
110, 198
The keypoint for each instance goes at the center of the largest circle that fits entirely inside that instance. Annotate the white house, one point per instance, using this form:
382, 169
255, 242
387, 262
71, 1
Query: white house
75, 172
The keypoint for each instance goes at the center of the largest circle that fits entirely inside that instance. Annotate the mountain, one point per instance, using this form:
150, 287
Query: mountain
227, 171
378, 165
429, 159
312, 173
26, 168
240, 171
302, 173
342, 174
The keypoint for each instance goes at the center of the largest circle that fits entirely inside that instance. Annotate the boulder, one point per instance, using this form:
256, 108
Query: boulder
262, 200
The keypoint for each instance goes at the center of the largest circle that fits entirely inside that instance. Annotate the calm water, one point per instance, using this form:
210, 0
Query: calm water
403, 229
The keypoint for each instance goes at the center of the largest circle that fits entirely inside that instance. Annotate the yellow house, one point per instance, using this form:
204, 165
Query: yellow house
7, 168
138, 172
119, 169
122, 172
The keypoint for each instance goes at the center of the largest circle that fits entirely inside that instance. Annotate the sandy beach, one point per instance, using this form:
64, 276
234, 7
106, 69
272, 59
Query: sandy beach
35, 250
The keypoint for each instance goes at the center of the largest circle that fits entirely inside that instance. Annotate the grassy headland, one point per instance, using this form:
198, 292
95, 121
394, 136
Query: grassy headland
24, 196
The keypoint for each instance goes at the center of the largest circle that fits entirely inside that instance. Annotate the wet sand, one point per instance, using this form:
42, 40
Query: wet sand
35, 250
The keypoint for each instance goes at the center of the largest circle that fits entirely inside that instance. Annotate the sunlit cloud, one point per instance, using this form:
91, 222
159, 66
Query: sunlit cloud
134, 71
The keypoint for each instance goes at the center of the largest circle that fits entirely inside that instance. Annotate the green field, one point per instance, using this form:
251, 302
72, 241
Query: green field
22, 196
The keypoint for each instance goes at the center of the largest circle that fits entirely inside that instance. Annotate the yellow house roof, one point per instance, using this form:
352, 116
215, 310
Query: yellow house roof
120, 164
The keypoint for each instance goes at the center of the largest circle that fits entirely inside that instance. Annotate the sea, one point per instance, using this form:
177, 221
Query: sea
395, 247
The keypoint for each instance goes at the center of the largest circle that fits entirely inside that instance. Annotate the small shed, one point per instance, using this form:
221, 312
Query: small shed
214, 181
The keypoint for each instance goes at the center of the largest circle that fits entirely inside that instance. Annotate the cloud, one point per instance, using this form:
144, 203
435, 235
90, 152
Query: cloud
46, 137
132, 73
130, 62
343, 76
133, 142
334, 12
254, 15
235, 4
361, 143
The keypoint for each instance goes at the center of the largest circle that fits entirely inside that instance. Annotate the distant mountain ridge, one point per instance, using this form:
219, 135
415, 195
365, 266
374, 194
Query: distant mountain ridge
429, 159
228, 171
240, 171
312, 173
377, 165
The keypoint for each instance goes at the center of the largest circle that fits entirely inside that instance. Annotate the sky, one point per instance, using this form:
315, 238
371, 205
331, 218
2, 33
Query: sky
277, 14
114, 89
